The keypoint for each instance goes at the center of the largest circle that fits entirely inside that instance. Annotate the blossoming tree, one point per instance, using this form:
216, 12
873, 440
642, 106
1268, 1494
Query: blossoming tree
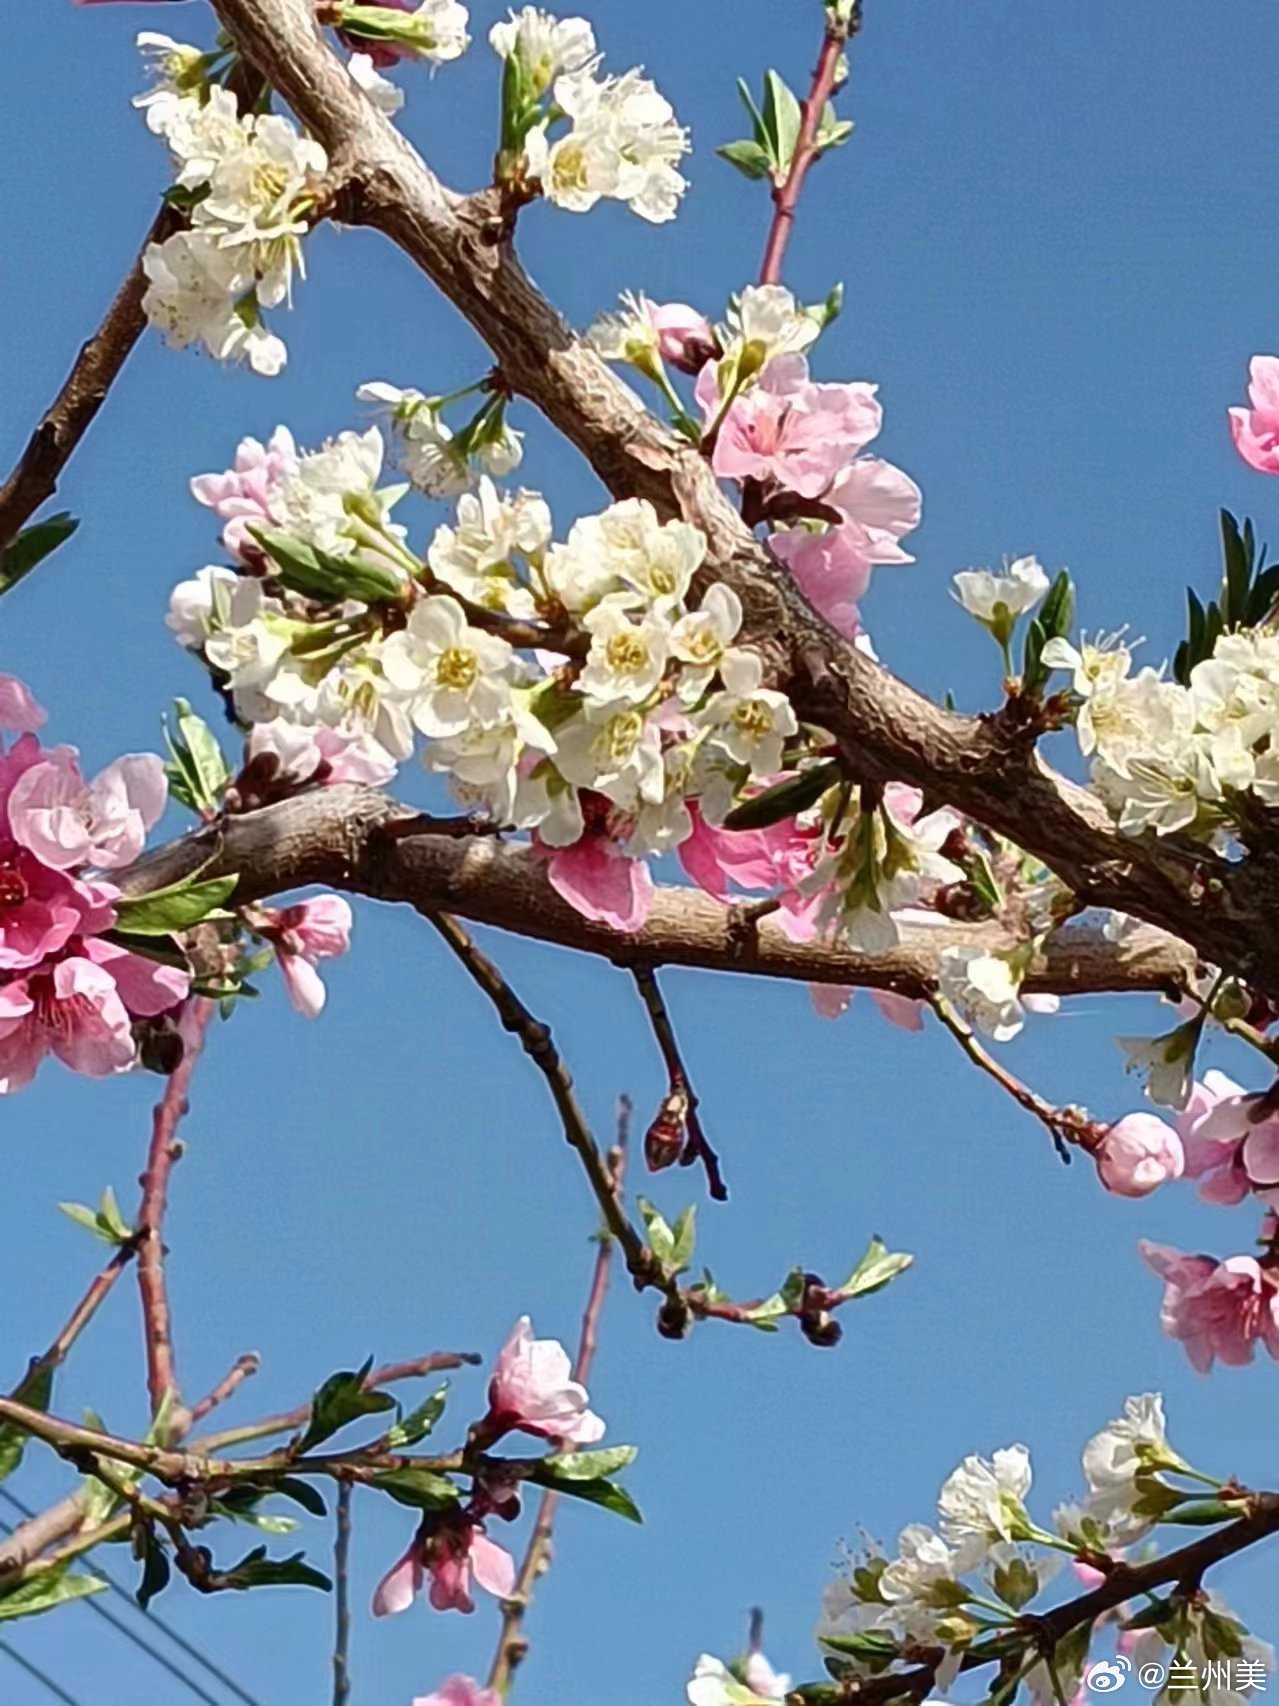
668, 741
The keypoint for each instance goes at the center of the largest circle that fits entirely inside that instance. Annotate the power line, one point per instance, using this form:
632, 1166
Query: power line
189, 1648
34, 1670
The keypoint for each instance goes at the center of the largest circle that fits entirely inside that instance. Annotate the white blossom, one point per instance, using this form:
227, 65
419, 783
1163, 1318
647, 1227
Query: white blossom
983, 988
615, 750
456, 676
700, 638
751, 722
1133, 1446
627, 657
997, 600
386, 96
983, 1502
193, 604
546, 46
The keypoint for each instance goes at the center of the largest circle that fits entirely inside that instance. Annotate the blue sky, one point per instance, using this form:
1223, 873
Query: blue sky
1055, 228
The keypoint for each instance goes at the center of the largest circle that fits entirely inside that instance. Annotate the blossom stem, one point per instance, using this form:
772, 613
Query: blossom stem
512, 1643
342, 1597
786, 196
1066, 1125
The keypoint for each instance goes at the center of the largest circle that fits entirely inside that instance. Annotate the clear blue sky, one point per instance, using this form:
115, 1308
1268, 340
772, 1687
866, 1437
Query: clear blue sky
1056, 228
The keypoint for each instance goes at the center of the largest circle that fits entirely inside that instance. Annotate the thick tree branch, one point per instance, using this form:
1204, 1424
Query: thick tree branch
346, 837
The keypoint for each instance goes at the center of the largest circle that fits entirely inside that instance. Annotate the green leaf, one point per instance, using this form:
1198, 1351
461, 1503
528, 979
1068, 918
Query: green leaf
660, 1237
785, 799
178, 907
35, 1390
302, 1493
684, 1239
753, 112
592, 1465
868, 1644
256, 1570
1016, 1583
783, 117
317, 574
1237, 579
766, 1315
342, 1399
877, 1267
748, 157
604, 1493
1053, 622
155, 1568
105, 1222
418, 1423
43, 1592
1205, 1512
832, 132
1150, 1616
421, 1488
32, 546
198, 773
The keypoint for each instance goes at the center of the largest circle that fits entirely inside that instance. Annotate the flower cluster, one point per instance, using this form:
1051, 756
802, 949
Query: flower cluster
67, 986
1173, 758
976, 1573
622, 142
249, 182
438, 460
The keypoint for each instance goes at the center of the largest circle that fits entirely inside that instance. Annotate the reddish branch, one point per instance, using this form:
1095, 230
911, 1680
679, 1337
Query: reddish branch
512, 1643
244, 1368
162, 1380
786, 195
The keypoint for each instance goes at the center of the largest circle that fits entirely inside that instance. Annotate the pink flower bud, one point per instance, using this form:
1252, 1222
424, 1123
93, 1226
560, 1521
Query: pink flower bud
459, 1691
1256, 428
685, 338
533, 1389
1138, 1154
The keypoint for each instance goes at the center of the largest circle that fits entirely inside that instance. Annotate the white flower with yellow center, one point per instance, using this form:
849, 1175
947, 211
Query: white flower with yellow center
616, 751
700, 639
457, 677
764, 321
983, 1503
626, 658
546, 46
751, 722
477, 558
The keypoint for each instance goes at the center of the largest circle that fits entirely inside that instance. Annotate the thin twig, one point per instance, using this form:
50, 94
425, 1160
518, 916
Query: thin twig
162, 1380
680, 1109
1066, 1125
342, 1598
84, 1311
243, 1368
289, 1420
786, 196
512, 1643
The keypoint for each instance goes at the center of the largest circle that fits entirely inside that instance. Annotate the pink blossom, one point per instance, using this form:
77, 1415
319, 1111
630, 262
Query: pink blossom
65, 822
600, 881
533, 1390
459, 1691
249, 493
832, 1001
41, 910
789, 430
1216, 1309
74, 1011
1256, 428
1231, 1140
685, 338
830, 569
722, 860
18, 709
1138, 1154
313, 930
321, 754
449, 1552
879, 504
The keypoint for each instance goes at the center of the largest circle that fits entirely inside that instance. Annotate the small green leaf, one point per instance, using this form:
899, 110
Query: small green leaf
660, 1237
1016, 1583
877, 1267
105, 1222
1204, 1513
198, 773
302, 1493
178, 907
753, 112
342, 1399
418, 1423
1150, 1616
317, 574
785, 799
766, 1315
604, 1493
592, 1465
256, 1570
783, 117
32, 546
748, 157
421, 1488
35, 1390
684, 1239
43, 1592
868, 1644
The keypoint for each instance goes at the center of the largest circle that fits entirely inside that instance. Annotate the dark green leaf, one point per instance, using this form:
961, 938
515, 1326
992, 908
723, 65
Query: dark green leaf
1204, 1513
175, 908
421, 1488
342, 1399
256, 1570
317, 574
1238, 571
869, 1643
35, 1390
198, 773
604, 1493
32, 546
302, 1493
155, 1568
785, 799
757, 122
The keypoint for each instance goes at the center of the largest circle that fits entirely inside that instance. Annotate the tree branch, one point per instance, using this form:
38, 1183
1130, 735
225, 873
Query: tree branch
162, 1380
786, 196
345, 837
986, 767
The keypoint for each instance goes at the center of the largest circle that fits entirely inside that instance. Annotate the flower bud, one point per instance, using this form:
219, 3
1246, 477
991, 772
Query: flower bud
1138, 1154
